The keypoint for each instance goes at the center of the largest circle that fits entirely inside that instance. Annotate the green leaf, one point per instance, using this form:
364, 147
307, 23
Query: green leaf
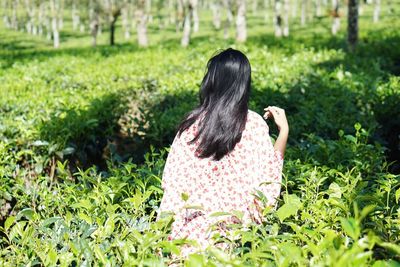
291, 251
195, 260
219, 254
85, 217
397, 194
17, 230
10, 220
351, 138
170, 246
49, 221
365, 211
335, 190
100, 255
388, 263
27, 213
109, 226
84, 203
350, 227
291, 206
51, 258
391, 246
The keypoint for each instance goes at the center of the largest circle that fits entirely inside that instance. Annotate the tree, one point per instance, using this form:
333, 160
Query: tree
318, 10
76, 19
377, 10
141, 24
241, 31
6, 18
126, 16
112, 9
303, 19
94, 14
336, 17
187, 14
14, 16
41, 18
55, 11
286, 5
216, 10
195, 15
278, 18
352, 24
30, 7
281, 21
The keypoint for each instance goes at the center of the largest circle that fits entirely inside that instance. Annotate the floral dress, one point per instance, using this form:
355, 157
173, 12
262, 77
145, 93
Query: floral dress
194, 188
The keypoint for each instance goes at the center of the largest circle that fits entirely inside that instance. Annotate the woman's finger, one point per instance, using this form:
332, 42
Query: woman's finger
267, 114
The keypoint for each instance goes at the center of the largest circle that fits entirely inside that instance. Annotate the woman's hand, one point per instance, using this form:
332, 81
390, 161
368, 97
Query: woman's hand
280, 120
279, 117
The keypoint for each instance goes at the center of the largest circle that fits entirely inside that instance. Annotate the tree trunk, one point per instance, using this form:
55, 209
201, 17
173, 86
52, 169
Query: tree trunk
216, 10
187, 24
241, 31
56, 33
149, 16
60, 14
14, 17
360, 7
41, 18
286, 7
125, 20
6, 19
303, 12
112, 31
171, 11
194, 4
34, 20
318, 10
94, 28
377, 10
179, 19
75, 16
49, 31
141, 25
336, 17
28, 25
352, 24
94, 22
54, 23
278, 18
294, 8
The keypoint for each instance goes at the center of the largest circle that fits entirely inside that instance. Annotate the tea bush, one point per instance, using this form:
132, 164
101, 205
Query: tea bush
84, 134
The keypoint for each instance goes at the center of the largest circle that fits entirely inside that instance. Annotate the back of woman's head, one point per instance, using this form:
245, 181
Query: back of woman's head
224, 96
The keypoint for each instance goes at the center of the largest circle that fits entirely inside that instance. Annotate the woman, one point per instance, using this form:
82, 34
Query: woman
222, 155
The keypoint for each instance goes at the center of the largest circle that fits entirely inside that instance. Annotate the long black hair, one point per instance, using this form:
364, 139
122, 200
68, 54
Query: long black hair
224, 96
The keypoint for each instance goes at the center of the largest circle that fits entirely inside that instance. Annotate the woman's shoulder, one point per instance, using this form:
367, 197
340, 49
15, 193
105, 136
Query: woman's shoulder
255, 117
255, 120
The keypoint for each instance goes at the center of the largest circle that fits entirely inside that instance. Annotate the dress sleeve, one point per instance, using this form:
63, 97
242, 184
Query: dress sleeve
172, 187
270, 168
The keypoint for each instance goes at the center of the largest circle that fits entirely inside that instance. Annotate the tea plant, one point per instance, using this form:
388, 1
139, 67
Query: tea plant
84, 135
